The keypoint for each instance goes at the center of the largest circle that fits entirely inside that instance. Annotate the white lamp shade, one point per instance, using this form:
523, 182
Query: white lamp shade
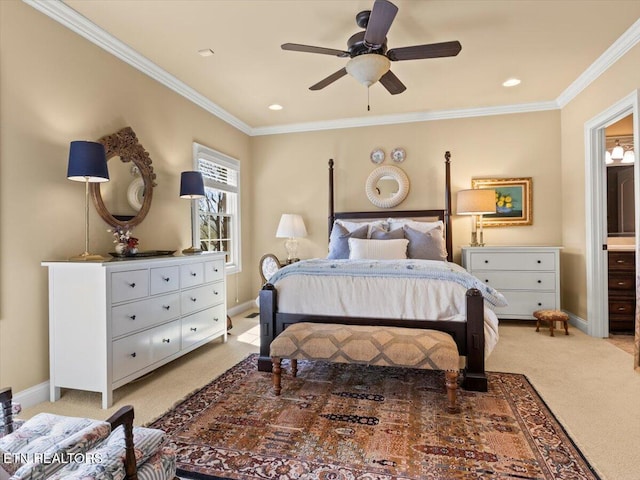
368, 68
291, 226
607, 158
476, 201
628, 157
618, 152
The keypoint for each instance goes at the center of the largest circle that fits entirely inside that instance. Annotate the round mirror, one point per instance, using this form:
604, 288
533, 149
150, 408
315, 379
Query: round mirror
126, 198
387, 186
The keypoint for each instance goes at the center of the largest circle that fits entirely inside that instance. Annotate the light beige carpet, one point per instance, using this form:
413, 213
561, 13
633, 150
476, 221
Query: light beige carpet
588, 383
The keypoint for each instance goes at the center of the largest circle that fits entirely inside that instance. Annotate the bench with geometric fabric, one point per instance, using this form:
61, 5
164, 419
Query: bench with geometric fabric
369, 345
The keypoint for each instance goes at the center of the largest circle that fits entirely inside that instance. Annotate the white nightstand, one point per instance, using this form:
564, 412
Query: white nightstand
529, 277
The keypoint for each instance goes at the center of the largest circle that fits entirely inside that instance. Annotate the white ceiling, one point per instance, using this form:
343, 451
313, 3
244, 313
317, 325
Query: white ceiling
547, 44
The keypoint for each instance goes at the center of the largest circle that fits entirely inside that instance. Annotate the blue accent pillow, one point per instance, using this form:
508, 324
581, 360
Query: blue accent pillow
425, 246
339, 240
379, 234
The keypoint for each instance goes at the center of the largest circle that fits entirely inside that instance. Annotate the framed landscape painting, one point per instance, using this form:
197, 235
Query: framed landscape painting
513, 201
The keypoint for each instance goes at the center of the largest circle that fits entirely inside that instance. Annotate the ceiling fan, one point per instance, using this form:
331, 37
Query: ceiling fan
369, 58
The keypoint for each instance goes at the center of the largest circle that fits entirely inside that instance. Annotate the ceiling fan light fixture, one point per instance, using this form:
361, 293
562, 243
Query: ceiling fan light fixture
628, 157
607, 158
368, 68
511, 82
275, 107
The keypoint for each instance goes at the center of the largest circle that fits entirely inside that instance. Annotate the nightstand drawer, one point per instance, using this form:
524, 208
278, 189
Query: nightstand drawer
525, 303
621, 281
507, 280
513, 261
622, 261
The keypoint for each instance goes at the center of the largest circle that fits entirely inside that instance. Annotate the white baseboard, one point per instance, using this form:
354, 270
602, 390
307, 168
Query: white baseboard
33, 395
251, 304
578, 322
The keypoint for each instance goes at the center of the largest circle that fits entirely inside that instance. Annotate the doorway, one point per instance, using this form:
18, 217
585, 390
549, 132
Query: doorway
596, 215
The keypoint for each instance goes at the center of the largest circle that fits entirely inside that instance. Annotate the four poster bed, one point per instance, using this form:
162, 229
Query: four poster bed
415, 292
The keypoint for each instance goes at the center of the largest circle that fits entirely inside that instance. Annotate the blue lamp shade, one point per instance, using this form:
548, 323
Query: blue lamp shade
191, 185
87, 162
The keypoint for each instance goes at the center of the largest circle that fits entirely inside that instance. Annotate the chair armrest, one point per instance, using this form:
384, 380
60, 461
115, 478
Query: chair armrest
124, 416
7, 414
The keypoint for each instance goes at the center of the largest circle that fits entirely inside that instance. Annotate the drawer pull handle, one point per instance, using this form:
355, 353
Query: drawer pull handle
166, 307
166, 279
215, 270
132, 285
539, 261
134, 354
620, 283
215, 319
193, 274
166, 340
539, 281
486, 281
620, 309
486, 261
539, 304
619, 261
193, 299
193, 329
215, 292
132, 317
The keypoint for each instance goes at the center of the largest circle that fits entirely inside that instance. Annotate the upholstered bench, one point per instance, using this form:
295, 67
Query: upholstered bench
551, 317
370, 345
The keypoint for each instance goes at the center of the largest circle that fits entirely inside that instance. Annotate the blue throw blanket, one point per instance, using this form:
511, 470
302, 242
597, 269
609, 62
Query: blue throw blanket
428, 269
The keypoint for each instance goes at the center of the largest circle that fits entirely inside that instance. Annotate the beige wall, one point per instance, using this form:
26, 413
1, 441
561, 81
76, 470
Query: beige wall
617, 82
290, 174
57, 87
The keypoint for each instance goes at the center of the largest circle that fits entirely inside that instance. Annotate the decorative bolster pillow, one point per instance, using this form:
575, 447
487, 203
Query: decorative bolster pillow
377, 249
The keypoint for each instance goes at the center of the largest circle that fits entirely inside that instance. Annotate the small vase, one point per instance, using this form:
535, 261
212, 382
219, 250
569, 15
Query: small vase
132, 251
121, 248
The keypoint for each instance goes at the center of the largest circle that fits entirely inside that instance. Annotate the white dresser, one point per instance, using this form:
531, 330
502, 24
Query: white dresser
114, 321
529, 277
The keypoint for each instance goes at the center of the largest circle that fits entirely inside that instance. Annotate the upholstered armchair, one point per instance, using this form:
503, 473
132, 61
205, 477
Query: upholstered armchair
55, 447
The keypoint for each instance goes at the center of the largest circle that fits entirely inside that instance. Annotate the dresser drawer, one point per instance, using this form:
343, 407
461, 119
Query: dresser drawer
622, 261
165, 340
199, 326
201, 297
129, 285
621, 281
164, 279
525, 303
622, 306
214, 271
143, 314
512, 261
191, 275
509, 280
131, 354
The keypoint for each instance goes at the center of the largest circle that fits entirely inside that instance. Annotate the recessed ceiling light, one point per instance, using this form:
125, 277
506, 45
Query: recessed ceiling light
205, 52
511, 82
275, 106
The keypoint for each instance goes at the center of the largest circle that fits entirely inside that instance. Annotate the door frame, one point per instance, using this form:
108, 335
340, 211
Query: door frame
596, 214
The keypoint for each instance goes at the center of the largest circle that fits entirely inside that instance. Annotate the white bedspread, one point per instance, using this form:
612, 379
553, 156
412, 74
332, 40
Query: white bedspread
405, 297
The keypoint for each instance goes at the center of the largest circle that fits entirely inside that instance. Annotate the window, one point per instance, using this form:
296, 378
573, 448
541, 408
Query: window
217, 219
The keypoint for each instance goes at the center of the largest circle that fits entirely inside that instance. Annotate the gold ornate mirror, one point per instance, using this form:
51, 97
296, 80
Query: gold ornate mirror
127, 200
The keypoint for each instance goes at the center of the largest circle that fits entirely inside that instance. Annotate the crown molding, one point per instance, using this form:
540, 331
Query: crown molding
65, 15
610, 56
404, 118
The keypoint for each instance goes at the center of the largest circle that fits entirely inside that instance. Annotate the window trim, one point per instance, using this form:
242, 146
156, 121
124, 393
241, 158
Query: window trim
214, 156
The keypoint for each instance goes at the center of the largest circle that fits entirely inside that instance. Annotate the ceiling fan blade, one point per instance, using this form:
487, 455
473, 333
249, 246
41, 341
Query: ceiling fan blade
329, 80
432, 50
380, 20
296, 47
392, 83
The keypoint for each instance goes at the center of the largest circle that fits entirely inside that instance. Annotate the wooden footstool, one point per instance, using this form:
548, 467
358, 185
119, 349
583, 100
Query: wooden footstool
551, 317
369, 345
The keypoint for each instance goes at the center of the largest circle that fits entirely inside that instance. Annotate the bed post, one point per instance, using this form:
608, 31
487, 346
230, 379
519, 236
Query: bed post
447, 205
331, 199
268, 296
475, 378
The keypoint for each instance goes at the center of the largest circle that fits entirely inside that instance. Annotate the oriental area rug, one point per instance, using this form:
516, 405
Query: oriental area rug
343, 422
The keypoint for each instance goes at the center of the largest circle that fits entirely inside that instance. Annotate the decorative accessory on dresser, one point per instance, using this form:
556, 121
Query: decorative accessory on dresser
476, 202
291, 227
88, 164
191, 188
126, 244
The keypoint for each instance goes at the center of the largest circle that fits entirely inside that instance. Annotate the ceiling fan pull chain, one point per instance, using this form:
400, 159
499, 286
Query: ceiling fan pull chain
368, 102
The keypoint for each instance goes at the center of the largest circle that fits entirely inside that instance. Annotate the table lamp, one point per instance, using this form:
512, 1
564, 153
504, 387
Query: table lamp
476, 202
290, 227
88, 164
191, 188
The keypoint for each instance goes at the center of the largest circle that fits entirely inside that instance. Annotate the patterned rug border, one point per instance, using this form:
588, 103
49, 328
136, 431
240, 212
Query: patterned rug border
248, 364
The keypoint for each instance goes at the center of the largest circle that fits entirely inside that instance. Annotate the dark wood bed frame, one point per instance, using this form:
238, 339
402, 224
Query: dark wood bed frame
469, 335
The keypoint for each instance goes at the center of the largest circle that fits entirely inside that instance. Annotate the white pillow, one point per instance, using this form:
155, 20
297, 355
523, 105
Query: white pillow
351, 226
378, 249
423, 227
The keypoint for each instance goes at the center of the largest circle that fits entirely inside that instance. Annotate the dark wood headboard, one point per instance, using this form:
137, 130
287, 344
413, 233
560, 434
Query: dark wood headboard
444, 214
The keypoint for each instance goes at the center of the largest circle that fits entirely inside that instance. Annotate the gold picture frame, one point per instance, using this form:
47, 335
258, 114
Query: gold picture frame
514, 205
